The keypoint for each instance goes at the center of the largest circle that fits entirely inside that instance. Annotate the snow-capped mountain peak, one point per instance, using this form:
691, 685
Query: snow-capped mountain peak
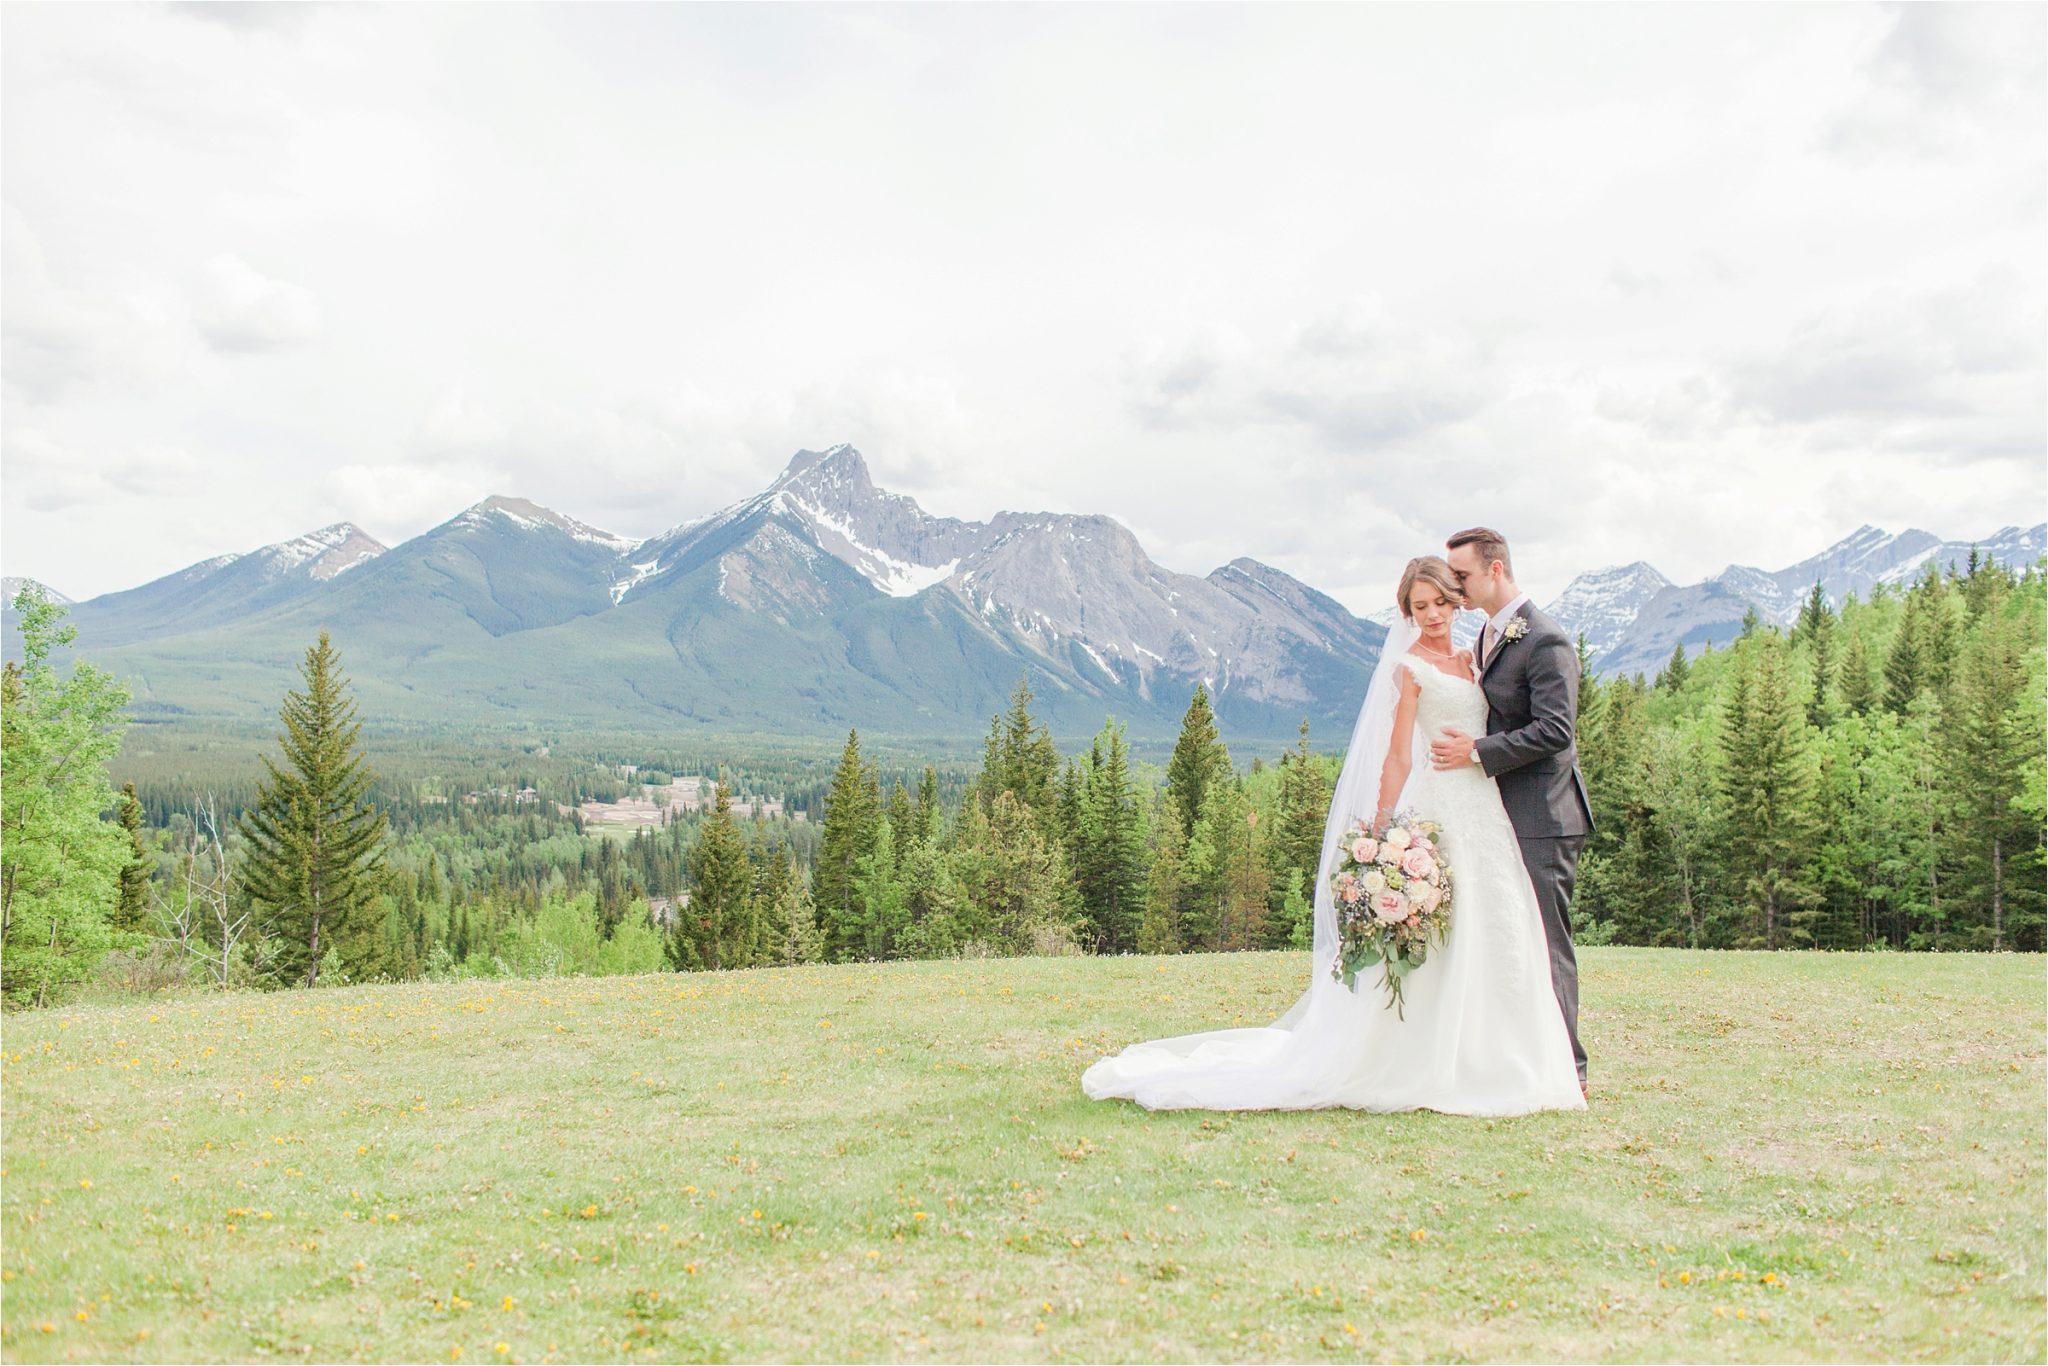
322, 554
529, 515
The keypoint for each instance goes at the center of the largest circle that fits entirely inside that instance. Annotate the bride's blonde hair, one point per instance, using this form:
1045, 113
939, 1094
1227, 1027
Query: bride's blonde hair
1432, 568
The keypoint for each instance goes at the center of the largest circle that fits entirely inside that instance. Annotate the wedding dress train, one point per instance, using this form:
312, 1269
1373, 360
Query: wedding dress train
1482, 1033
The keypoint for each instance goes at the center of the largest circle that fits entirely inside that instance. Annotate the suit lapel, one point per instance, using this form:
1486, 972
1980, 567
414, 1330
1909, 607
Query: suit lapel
1501, 642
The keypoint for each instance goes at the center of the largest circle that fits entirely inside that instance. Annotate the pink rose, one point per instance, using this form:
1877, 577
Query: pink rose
1416, 862
1429, 899
1364, 850
1350, 895
1390, 906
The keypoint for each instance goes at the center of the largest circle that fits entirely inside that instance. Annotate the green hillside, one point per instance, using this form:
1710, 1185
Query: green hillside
1789, 1157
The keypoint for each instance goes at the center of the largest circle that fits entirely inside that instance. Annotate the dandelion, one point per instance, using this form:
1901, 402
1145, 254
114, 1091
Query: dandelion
509, 1302
502, 1348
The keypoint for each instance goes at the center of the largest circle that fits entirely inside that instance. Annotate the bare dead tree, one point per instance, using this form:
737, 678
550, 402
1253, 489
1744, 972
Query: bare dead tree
203, 920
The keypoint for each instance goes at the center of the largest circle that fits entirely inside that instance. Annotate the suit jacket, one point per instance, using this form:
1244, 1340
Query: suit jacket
1530, 748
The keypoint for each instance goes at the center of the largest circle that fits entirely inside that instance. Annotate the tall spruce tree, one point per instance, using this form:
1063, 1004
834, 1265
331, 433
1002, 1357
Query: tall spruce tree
852, 820
1027, 763
1304, 810
315, 844
1855, 690
1992, 747
1766, 777
1166, 886
792, 925
1110, 857
1198, 760
1903, 675
925, 820
1815, 632
131, 903
721, 912
1672, 677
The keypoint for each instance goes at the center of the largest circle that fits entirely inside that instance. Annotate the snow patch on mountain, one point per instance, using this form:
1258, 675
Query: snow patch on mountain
641, 573
531, 516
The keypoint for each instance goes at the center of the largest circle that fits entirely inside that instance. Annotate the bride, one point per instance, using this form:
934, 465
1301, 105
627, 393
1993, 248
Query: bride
1483, 1034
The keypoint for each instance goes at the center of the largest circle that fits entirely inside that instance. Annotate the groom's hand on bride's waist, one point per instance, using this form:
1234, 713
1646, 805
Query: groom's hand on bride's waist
1452, 750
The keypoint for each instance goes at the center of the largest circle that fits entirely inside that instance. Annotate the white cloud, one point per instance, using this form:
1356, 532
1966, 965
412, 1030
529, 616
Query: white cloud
1314, 284
240, 309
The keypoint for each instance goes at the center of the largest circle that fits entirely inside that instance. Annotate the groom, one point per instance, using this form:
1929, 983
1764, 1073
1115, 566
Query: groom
1529, 671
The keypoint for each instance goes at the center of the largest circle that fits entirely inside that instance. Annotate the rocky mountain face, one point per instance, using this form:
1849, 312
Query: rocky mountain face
821, 602
1632, 616
1603, 605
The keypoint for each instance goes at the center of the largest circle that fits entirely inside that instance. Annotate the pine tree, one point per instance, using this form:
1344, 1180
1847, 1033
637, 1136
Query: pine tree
1027, 764
1592, 696
131, 902
925, 820
315, 844
1199, 759
1235, 887
792, 925
1304, 810
1766, 777
720, 915
852, 818
1992, 749
1855, 690
935, 907
882, 905
1166, 886
1902, 670
1110, 858
1672, 678
1021, 888
1815, 630
900, 816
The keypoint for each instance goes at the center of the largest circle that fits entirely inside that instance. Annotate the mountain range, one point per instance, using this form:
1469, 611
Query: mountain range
1632, 616
825, 602
822, 602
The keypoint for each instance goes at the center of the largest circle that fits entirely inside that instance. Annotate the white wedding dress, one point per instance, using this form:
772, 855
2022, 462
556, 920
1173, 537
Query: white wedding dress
1482, 1033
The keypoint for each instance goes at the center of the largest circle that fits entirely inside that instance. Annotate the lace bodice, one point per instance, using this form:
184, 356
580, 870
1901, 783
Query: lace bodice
1446, 700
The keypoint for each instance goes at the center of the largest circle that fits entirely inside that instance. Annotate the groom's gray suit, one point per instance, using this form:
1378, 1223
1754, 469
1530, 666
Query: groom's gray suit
1532, 697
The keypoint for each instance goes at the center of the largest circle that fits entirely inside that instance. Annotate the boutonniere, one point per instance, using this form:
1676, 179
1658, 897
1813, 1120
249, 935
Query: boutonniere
1514, 630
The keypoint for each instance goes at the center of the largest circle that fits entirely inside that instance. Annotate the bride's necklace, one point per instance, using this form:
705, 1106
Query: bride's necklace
1440, 654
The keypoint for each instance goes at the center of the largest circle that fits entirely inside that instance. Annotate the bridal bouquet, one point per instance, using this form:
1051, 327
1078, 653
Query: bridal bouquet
1392, 894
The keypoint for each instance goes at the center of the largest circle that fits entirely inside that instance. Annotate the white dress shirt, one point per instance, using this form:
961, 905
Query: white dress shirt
1489, 634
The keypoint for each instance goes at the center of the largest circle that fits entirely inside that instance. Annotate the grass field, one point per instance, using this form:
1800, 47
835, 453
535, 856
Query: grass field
1788, 1157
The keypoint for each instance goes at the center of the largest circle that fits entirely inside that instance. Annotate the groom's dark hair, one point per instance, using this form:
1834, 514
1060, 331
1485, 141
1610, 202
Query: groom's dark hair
1490, 544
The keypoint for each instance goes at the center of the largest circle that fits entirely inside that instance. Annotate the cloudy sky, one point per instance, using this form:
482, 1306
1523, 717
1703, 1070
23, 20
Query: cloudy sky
1316, 284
